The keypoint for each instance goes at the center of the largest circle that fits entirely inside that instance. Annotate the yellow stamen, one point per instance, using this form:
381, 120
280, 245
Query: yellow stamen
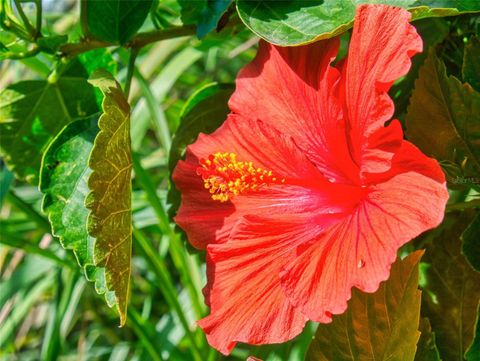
225, 177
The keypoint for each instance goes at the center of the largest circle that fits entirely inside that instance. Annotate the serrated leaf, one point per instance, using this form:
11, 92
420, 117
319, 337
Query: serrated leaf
204, 112
473, 351
377, 326
63, 181
116, 21
32, 113
442, 120
109, 202
426, 347
289, 23
203, 13
471, 63
471, 243
452, 290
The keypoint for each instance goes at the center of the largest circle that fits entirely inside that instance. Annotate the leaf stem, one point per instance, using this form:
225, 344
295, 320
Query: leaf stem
130, 70
26, 22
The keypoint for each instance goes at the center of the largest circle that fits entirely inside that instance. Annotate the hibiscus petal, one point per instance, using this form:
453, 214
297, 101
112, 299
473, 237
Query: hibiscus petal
246, 299
359, 250
205, 220
294, 90
380, 49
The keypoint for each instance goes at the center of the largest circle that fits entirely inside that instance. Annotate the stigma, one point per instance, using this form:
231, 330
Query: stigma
225, 177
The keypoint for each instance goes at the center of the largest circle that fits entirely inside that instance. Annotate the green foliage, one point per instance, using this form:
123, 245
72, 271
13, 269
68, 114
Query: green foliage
452, 293
115, 21
109, 200
377, 326
474, 349
203, 13
454, 137
47, 309
299, 22
63, 181
32, 113
471, 65
426, 347
471, 243
204, 112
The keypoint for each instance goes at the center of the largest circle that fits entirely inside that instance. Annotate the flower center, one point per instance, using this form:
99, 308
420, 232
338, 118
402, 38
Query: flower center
225, 177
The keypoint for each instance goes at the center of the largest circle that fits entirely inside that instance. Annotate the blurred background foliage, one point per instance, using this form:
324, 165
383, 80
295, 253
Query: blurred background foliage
48, 311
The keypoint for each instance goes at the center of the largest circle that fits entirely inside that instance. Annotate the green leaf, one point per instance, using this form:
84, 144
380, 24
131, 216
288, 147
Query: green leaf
116, 21
204, 112
452, 290
63, 181
471, 243
471, 63
203, 13
33, 112
474, 349
50, 44
109, 202
298, 22
426, 347
376, 326
442, 120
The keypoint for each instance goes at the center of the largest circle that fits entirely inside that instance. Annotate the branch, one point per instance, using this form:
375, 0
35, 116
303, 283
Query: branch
140, 40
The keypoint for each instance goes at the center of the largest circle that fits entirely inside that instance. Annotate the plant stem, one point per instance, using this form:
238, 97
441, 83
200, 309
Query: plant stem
142, 39
130, 70
27, 209
166, 285
463, 205
38, 27
25, 20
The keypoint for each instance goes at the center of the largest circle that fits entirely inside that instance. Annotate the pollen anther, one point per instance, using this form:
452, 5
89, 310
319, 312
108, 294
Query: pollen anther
225, 177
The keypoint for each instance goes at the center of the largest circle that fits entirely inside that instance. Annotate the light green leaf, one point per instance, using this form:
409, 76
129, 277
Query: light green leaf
442, 120
115, 21
204, 112
376, 326
289, 23
109, 202
452, 290
471, 63
426, 347
33, 112
63, 181
471, 243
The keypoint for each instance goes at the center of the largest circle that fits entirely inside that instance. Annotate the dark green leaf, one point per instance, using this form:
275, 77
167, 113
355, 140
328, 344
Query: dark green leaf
298, 22
376, 326
32, 113
442, 120
116, 21
471, 63
204, 112
203, 13
109, 202
452, 290
471, 243
63, 181
426, 347
474, 349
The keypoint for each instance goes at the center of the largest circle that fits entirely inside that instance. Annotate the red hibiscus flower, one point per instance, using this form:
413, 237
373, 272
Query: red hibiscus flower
304, 192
